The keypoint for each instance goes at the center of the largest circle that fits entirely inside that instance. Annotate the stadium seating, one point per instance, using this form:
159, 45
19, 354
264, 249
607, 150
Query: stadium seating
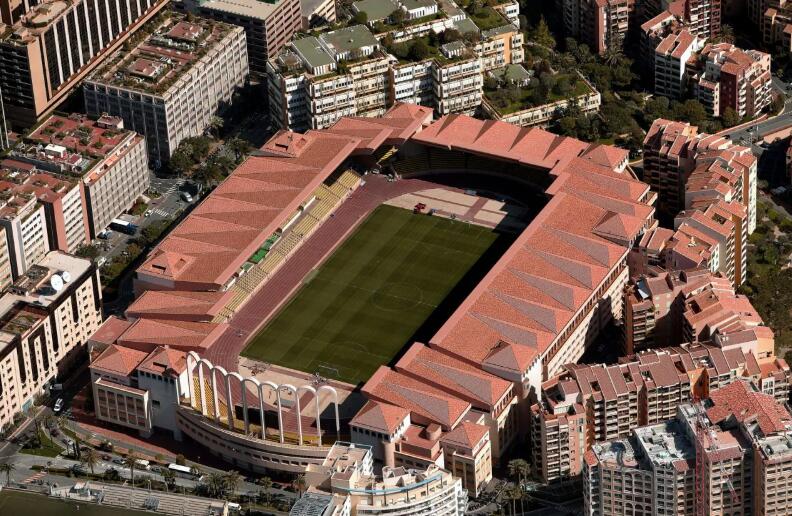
156, 502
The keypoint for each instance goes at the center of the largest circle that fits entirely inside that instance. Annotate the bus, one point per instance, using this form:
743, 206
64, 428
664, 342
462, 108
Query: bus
123, 226
183, 471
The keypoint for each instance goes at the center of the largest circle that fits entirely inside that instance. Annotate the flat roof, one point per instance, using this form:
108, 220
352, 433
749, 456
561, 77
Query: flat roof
350, 38
466, 25
417, 4
169, 49
256, 9
512, 72
311, 49
376, 9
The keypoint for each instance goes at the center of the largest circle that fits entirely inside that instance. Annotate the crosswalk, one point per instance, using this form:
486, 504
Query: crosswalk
160, 212
175, 186
32, 478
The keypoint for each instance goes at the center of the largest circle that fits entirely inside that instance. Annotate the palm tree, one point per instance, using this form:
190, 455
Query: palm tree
217, 484
169, 477
300, 484
519, 468
7, 468
215, 124
50, 420
195, 471
90, 458
513, 493
130, 461
232, 480
266, 484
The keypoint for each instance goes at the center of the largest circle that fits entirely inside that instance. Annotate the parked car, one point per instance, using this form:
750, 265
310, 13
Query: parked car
186, 197
118, 461
107, 457
58, 405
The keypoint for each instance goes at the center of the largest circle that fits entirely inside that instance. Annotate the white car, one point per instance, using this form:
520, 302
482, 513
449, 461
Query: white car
58, 405
148, 213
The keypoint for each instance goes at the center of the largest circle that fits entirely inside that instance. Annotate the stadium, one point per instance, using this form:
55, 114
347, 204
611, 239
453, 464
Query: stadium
307, 282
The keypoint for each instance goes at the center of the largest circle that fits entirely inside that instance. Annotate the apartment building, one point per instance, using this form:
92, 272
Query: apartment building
673, 151
138, 389
316, 13
730, 77
773, 20
590, 404
653, 307
47, 316
47, 48
3, 126
24, 221
671, 57
269, 26
670, 308
726, 455
6, 275
433, 409
106, 164
597, 23
349, 72
170, 84
60, 199
345, 484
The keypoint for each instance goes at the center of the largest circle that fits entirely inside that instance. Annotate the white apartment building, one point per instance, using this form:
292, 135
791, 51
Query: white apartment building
344, 485
97, 170
171, 84
670, 62
47, 317
25, 224
318, 80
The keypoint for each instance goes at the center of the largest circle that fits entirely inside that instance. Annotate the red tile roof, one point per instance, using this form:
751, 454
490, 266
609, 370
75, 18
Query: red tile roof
739, 401
380, 417
466, 435
178, 304
559, 261
119, 360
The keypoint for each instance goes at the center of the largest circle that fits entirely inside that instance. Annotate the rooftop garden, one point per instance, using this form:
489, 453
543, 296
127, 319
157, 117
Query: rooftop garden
548, 88
487, 18
420, 49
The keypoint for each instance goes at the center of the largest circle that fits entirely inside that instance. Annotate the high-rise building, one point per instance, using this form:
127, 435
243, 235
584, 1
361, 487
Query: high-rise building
598, 23
84, 171
50, 46
47, 316
688, 170
170, 84
345, 484
589, 404
728, 454
730, 77
3, 126
670, 62
269, 25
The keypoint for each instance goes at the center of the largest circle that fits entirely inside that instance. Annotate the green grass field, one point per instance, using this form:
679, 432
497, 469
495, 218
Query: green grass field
365, 302
15, 502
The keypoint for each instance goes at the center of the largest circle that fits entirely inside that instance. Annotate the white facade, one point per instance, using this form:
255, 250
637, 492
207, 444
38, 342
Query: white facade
43, 328
186, 107
27, 236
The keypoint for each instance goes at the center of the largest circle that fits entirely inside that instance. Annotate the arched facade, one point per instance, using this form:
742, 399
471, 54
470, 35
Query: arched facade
220, 382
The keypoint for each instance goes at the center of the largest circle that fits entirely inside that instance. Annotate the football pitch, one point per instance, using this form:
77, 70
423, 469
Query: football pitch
362, 306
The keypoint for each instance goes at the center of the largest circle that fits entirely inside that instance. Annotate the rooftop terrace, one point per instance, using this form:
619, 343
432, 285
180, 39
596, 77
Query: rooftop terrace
163, 52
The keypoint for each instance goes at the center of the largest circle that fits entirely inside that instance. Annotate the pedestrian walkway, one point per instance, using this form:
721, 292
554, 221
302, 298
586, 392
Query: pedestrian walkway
32, 478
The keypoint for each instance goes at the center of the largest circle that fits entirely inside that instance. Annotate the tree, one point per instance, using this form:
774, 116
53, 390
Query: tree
87, 251
232, 480
513, 493
7, 468
730, 118
726, 34
397, 16
419, 50
180, 460
543, 36
450, 35
266, 484
217, 484
519, 469
90, 458
169, 477
240, 147
130, 461
361, 18
300, 484
215, 125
